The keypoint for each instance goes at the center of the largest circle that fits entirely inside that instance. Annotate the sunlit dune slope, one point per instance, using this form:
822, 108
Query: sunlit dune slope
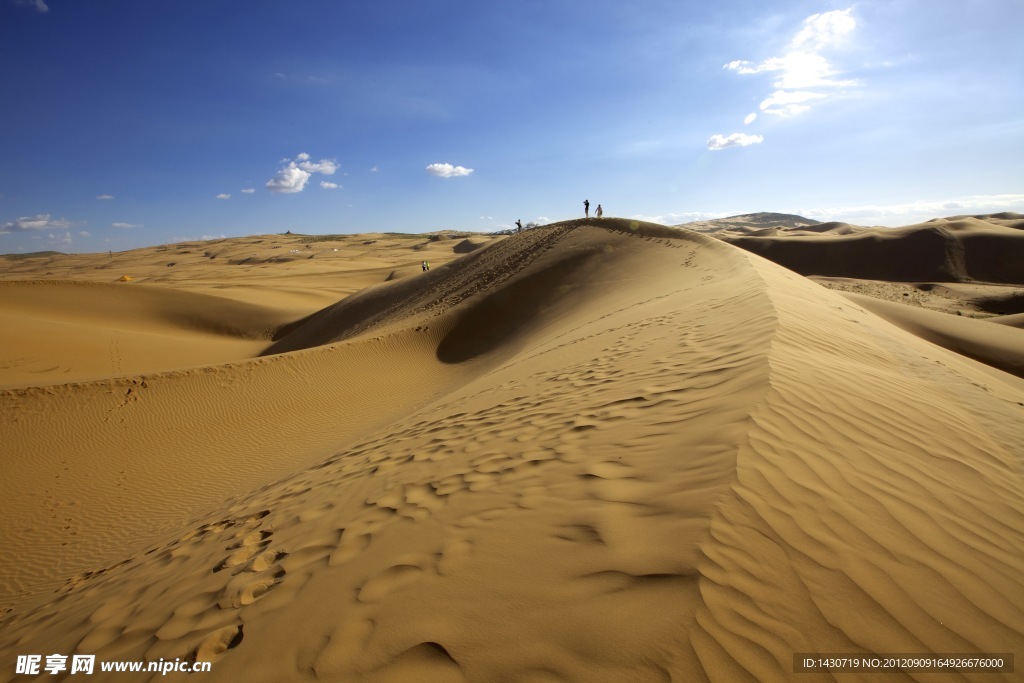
596, 451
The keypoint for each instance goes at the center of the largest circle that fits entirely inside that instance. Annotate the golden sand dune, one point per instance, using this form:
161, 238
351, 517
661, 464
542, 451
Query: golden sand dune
963, 248
595, 451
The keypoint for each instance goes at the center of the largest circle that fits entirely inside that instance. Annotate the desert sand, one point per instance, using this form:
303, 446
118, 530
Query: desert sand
594, 451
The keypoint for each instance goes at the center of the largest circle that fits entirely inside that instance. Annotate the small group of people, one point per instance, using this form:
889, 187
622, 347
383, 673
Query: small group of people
586, 209
426, 266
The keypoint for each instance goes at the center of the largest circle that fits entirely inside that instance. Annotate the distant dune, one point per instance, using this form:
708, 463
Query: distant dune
958, 249
599, 450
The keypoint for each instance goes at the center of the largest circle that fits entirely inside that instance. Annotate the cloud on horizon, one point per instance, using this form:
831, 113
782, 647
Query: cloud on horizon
125, 226
448, 171
717, 142
39, 222
908, 213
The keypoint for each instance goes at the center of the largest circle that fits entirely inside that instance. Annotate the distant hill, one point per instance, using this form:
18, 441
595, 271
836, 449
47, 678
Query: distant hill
32, 254
751, 223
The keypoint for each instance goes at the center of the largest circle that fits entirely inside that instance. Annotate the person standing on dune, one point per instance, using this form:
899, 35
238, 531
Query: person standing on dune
586, 208
600, 211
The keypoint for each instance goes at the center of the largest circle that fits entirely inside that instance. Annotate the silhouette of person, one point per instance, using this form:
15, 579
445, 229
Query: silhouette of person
519, 226
600, 211
586, 208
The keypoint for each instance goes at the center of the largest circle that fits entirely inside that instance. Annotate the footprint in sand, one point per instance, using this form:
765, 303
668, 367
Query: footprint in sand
247, 588
217, 643
454, 556
351, 544
389, 580
609, 470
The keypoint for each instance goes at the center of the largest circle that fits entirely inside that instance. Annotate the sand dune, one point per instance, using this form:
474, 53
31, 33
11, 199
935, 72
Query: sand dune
595, 451
1001, 347
949, 250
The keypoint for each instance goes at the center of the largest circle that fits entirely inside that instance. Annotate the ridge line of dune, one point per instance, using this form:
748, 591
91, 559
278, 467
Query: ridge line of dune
821, 550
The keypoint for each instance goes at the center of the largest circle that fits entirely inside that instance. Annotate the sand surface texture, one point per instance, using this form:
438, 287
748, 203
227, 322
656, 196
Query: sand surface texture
595, 451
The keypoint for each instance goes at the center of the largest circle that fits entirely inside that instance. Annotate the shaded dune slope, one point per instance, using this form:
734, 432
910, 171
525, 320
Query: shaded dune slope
949, 250
59, 331
621, 453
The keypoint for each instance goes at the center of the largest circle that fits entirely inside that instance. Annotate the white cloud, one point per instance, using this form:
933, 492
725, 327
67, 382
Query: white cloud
39, 222
907, 213
325, 166
374, 169
789, 102
293, 177
125, 226
248, 190
448, 171
223, 196
329, 186
83, 233
39, 5
821, 30
104, 196
717, 142
288, 180
803, 67
681, 217
749, 119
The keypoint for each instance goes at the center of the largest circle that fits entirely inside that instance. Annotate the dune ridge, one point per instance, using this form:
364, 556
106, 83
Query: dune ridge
600, 450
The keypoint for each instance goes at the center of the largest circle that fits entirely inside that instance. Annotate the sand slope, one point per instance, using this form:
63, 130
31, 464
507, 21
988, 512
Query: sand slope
988, 249
593, 452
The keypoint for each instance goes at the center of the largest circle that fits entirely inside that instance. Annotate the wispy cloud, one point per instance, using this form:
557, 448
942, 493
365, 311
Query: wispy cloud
105, 197
916, 211
64, 240
329, 186
248, 190
325, 166
448, 171
293, 176
717, 142
125, 226
41, 221
680, 217
803, 74
38, 5
223, 196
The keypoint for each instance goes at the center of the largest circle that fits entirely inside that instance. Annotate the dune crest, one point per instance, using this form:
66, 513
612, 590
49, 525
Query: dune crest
599, 450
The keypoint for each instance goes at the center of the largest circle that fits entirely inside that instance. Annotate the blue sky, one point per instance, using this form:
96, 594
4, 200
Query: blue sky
129, 123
